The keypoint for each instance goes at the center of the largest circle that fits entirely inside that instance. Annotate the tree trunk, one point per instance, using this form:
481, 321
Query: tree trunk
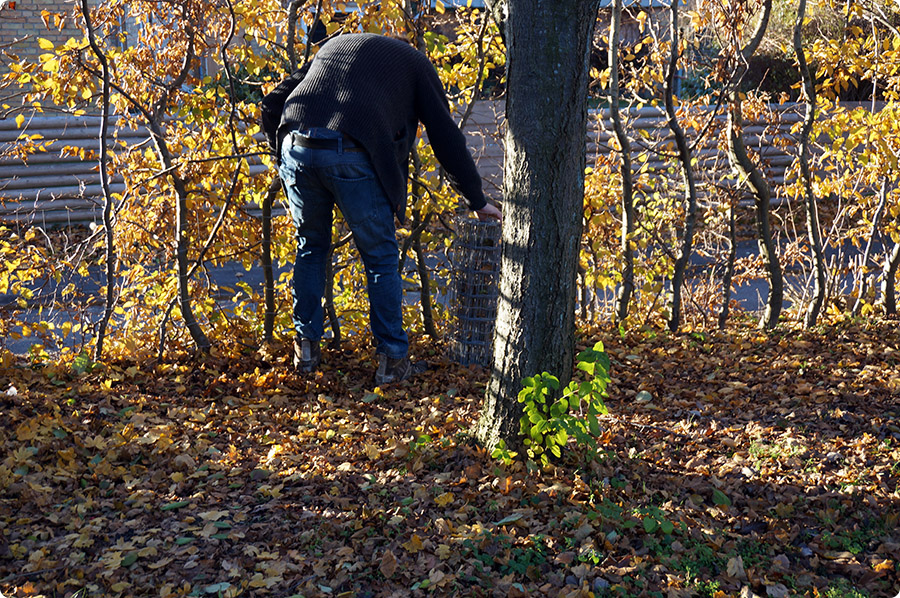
728, 276
864, 258
748, 173
626, 289
330, 273
687, 175
109, 242
417, 227
889, 274
546, 112
425, 291
293, 7
266, 258
329, 299
181, 255
155, 117
812, 208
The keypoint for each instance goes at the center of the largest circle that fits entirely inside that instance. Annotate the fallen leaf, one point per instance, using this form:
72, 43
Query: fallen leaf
414, 544
388, 564
443, 552
735, 568
444, 499
719, 498
372, 452
778, 590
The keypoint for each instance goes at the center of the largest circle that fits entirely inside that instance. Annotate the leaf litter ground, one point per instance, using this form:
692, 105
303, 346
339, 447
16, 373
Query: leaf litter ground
732, 464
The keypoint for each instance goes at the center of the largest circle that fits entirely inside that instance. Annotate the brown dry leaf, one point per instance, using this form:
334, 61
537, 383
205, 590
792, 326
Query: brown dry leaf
306, 524
735, 568
388, 564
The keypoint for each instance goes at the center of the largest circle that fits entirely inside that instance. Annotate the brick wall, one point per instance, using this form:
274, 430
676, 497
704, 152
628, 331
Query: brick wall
20, 27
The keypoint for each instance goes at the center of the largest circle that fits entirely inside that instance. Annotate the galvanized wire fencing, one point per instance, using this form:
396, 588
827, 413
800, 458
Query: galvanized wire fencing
474, 289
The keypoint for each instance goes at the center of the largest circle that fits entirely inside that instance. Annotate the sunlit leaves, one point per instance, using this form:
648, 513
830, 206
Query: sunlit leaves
208, 129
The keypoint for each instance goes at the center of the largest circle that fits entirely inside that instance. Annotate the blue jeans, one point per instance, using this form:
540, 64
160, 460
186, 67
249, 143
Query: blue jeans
314, 181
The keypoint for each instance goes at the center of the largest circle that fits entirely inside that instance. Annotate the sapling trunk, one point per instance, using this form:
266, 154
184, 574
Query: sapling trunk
293, 7
687, 175
155, 118
728, 275
626, 288
266, 258
748, 173
888, 287
329, 298
109, 244
864, 259
425, 282
811, 205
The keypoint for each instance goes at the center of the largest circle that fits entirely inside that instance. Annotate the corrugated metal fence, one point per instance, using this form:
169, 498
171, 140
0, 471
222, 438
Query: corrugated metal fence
56, 187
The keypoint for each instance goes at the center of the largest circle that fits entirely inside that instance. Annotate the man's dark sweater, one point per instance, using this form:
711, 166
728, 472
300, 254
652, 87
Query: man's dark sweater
375, 90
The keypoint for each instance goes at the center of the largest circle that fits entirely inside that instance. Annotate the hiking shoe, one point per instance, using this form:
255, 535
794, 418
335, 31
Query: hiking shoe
307, 355
397, 370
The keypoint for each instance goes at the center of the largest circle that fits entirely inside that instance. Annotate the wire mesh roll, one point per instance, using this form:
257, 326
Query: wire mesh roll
474, 289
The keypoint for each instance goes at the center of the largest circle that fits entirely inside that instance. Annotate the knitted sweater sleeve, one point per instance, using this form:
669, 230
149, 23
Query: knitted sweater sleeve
447, 141
272, 106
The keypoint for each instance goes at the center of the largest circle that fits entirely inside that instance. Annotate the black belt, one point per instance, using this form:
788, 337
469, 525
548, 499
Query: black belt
344, 144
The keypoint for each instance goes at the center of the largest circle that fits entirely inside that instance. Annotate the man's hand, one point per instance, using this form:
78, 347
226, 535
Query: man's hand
489, 212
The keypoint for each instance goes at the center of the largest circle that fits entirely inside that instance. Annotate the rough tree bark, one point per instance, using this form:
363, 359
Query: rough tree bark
626, 289
748, 173
687, 175
548, 45
275, 186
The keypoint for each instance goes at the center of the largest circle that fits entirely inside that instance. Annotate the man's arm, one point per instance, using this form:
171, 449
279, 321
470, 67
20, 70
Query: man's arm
272, 106
447, 141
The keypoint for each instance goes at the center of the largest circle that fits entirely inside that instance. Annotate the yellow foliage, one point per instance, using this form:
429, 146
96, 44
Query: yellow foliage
213, 143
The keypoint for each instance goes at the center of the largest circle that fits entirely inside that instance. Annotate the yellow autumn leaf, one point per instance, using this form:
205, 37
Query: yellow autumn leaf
885, 565
372, 452
642, 19
444, 499
414, 545
45, 44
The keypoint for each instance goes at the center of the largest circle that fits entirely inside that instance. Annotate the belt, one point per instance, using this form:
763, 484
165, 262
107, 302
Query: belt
342, 144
